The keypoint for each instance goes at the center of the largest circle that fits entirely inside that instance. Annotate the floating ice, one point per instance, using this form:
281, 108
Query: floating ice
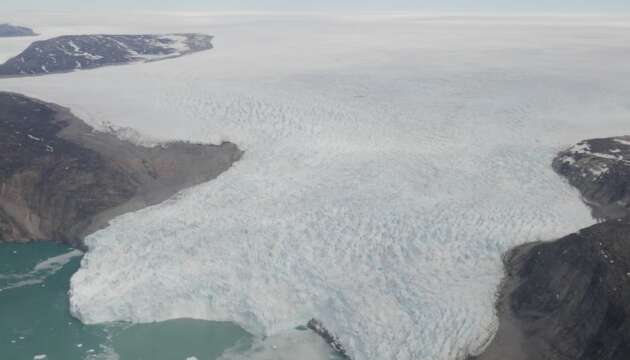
390, 161
40, 272
55, 263
293, 344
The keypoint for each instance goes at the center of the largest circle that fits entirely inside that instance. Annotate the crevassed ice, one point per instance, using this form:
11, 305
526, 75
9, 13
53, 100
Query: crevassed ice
390, 161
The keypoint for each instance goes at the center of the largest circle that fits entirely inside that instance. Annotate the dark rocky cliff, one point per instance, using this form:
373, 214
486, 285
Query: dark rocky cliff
600, 169
570, 299
60, 180
74, 52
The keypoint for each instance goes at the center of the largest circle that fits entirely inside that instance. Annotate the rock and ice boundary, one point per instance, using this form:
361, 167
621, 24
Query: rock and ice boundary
76, 52
569, 298
390, 161
61, 180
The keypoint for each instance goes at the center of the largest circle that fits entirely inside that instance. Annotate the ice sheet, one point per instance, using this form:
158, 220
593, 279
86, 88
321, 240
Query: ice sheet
390, 161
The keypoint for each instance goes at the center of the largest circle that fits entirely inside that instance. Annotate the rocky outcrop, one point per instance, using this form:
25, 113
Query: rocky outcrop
60, 180
567, 299
570, 299
600, 169
8, 30
318, 328
74, 52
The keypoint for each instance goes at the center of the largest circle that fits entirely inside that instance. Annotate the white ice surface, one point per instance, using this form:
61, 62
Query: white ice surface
390, 161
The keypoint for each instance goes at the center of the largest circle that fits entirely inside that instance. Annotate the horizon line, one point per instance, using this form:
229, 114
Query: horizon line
334, 12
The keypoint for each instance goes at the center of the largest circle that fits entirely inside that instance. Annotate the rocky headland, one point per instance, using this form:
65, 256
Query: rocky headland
75, 52
600, 170
318, 328
8, 30
61, 180
569, 299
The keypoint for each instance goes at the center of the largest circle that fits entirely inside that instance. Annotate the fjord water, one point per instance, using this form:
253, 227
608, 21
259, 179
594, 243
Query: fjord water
35, 321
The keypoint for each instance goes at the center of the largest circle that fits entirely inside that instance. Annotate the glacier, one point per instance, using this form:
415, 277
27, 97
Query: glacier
390, 160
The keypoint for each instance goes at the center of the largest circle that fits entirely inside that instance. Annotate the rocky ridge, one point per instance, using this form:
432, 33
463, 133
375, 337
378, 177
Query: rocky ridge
8, 30
600, 170
569, 299
75, 52
61, 180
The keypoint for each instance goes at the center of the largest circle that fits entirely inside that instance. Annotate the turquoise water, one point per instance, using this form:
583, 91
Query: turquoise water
35, 320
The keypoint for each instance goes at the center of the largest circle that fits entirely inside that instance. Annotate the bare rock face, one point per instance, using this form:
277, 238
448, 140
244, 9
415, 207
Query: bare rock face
600, 169
74, 52
570, 299
61, 180
8, 30
318, 328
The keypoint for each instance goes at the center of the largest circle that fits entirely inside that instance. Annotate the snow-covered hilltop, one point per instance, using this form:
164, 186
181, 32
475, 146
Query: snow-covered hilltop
67, 53
599, 169
8, 30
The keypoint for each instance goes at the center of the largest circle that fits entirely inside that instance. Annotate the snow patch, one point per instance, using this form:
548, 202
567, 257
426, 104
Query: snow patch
568, 160
76, 51
173, 42
599, 170
607, 156
581, 148
74, 46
